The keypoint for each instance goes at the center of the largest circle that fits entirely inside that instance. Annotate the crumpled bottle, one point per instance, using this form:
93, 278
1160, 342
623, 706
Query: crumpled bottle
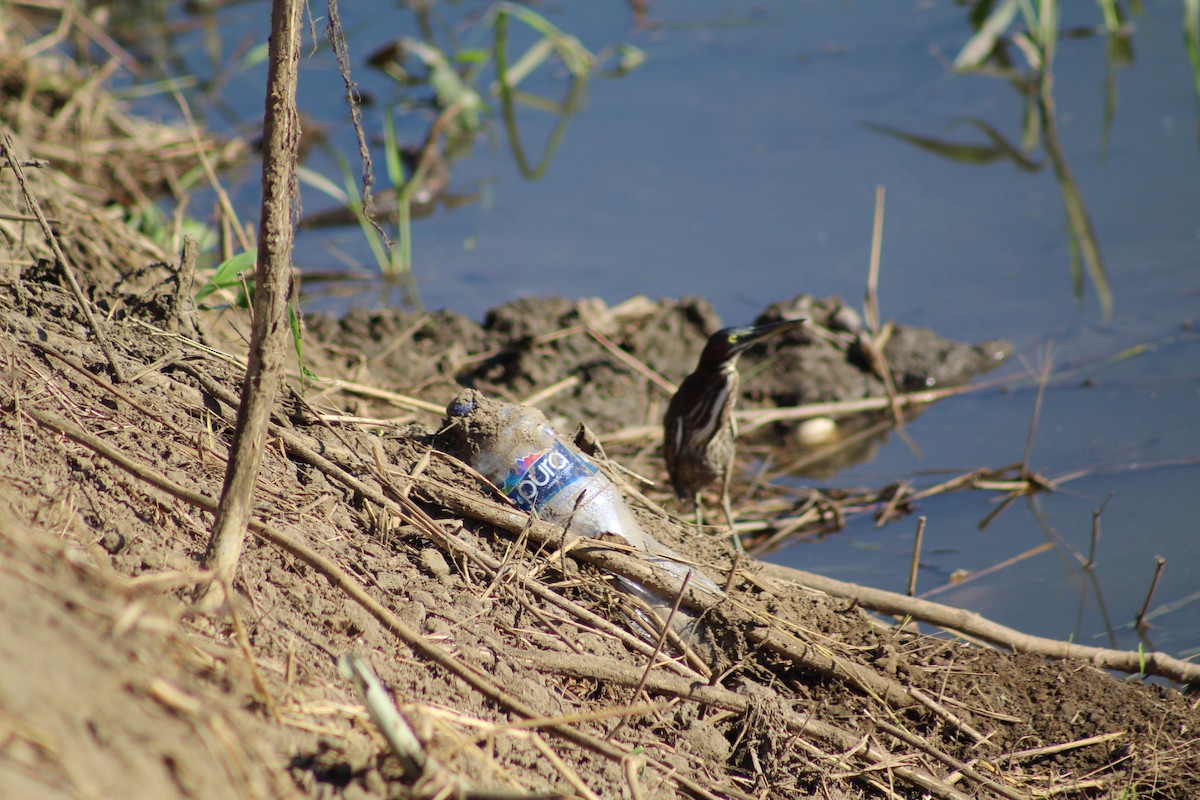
515, 447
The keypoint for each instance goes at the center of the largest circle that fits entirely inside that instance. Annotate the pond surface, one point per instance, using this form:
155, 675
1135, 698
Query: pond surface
739, 162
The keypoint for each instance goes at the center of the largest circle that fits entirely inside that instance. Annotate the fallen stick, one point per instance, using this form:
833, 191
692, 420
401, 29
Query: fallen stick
972, 624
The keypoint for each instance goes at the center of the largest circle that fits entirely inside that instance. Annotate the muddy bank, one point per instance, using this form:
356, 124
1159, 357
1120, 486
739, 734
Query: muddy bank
531, 343
105, 556
614, 368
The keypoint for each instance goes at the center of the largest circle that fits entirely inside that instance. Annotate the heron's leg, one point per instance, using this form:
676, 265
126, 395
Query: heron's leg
727, 506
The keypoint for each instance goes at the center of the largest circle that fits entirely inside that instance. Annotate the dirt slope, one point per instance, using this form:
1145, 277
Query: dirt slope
510, 658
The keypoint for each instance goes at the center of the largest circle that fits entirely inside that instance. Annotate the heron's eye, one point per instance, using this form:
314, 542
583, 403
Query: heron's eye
732, 339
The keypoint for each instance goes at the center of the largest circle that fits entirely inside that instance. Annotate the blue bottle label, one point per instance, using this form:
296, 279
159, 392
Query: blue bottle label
535, 479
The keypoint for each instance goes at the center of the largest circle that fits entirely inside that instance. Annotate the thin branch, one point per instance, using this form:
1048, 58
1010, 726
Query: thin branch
1043, 380
972, 624
281, 139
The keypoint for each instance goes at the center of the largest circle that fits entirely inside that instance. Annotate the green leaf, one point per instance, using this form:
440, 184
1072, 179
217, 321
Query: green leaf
446, 82
575, 57
227, 274
1191, 37
629, 58
474, 55
980, 46
298, 342
963, 152
254, 57
322, 184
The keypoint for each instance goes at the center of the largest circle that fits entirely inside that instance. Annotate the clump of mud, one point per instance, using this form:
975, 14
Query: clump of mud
534, 343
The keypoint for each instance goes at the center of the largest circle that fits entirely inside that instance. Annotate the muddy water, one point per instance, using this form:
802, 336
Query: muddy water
739, 163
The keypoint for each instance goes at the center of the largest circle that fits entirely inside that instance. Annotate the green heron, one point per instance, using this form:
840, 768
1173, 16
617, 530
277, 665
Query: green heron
699, 432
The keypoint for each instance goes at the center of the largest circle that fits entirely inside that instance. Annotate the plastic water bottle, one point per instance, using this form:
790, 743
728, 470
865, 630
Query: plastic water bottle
515, 447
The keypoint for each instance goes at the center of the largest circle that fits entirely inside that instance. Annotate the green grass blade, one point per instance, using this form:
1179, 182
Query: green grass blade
533, 58
1047, 33
227, 274
298, 342
401, 261
322, 184
449, 86
354, 203
979, 47
1191, 37
575, 57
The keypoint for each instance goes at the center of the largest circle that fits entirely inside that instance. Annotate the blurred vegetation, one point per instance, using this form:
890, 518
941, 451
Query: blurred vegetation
463, 85
469, 71
1016, 41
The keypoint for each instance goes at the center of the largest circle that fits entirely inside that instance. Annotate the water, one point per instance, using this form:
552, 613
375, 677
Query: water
739, 163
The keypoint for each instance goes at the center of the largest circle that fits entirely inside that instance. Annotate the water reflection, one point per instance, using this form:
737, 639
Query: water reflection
451, 81
989, 53
428, 189
469, 73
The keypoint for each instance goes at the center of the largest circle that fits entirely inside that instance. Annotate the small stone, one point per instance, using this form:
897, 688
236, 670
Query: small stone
412, 614
435, 564
706, 741
113, 542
